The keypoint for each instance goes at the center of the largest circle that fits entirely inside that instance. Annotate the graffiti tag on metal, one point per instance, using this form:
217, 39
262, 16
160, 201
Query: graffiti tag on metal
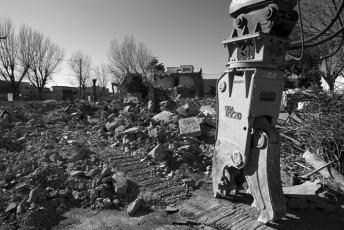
230, 113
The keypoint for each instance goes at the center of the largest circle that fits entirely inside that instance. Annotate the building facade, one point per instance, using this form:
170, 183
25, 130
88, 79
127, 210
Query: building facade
182, 76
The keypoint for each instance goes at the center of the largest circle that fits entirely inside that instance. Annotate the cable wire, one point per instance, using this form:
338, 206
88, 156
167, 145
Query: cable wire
333, 20
302, 35
318, 42
341, 43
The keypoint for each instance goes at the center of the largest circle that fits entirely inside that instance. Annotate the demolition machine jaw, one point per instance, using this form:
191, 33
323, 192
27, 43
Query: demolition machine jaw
248, 102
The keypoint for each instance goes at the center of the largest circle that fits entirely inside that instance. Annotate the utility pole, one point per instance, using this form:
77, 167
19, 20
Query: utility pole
80, 80
94, 90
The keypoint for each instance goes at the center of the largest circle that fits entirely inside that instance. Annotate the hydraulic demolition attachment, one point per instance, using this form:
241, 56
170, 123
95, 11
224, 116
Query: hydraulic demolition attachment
248, 102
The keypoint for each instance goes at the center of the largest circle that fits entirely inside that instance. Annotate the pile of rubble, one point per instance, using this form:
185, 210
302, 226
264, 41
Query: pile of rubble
56, 156
118, 154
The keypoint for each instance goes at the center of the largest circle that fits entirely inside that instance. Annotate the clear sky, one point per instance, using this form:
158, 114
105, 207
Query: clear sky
177, 32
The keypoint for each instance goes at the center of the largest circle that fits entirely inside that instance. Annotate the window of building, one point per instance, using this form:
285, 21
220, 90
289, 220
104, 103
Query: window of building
186, 69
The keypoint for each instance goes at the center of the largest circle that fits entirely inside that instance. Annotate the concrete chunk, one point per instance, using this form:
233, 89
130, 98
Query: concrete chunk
163, 116
133, 207
190, 127
120, 182
158, 153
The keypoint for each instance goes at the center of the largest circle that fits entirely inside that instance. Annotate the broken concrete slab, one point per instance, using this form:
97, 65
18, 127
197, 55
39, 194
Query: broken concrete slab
158, 153
328, 172
120, 182
207, 110
190, 127
132, 130
76, 154
134, 206
163, 116
111, 126
77, 174
306, 189
11, 207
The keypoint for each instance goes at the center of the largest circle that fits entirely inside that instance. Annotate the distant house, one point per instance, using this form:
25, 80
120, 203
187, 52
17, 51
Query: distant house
26, 91
65, 93
72, 93
182, 76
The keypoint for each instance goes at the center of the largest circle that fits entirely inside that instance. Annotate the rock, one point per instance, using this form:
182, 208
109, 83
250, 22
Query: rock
120, 183
77, 174
20, 209
128, 138
76, 154
106, 172
158, 153
287, 178
107, 202
116, 202
55, 157
134, 206
189, 183
119, 129
132, 130
107, 179
111, 117
306, 189
170, 209
190, 127
207, 110
64, 192
76, 195
11, 207
163, 116
93, 194
49, 146
182, 111
94, 172
150, 106
33, 195
111, 126
21, 188
128, 109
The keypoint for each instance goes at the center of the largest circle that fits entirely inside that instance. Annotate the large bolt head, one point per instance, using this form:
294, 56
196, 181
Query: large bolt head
222, 86
237, 157
270, 13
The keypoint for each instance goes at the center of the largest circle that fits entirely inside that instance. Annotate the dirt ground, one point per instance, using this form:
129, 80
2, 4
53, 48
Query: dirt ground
200, 211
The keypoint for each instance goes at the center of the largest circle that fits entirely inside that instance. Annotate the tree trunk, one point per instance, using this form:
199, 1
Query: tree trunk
84, 92
330, 83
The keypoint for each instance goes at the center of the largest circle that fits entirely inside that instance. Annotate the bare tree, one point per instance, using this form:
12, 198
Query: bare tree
103, 77
128, 57
316, 16
46, 57
80, 65
15, 53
